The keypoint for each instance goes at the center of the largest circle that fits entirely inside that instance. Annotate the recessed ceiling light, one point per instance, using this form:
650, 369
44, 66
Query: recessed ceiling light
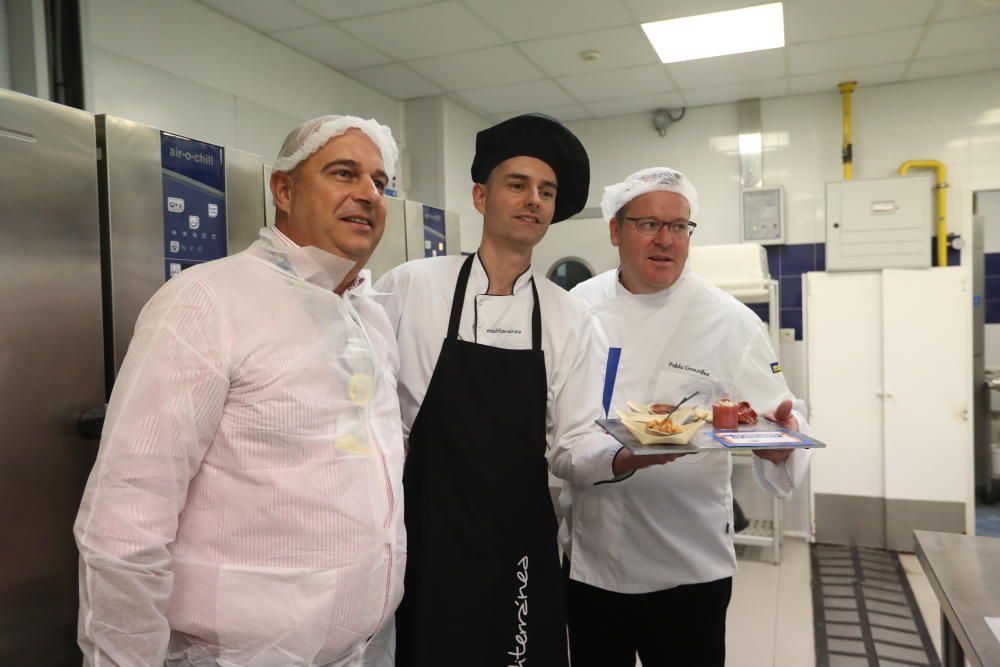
718, 34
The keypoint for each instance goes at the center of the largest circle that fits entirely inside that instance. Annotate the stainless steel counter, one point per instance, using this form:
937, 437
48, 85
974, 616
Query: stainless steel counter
964, 572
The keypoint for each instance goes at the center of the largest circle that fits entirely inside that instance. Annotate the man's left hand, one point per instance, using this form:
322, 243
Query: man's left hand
783, 417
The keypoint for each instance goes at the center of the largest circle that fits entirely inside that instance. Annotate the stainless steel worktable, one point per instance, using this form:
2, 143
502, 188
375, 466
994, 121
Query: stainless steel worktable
964, 572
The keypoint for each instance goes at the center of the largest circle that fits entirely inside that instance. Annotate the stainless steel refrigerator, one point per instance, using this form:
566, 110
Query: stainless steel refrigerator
95, 214
51, 368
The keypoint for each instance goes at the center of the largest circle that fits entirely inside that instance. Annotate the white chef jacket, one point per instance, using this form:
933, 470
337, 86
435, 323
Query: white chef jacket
246, 504
671, 525
417, 297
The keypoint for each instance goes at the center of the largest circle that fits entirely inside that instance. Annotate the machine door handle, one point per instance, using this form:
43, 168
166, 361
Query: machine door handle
91, 422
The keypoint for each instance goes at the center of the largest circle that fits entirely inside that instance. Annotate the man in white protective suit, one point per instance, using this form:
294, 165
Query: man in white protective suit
246, 504
650, 555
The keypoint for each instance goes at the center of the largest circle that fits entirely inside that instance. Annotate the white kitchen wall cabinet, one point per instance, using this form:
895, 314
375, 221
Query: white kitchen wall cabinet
890, 386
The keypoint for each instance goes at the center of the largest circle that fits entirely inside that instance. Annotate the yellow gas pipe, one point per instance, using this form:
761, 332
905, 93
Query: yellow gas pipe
847, 150
942, 202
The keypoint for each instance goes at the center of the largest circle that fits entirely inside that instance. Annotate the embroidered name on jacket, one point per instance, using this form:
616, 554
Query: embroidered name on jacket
690, 369
501, 330
520, 652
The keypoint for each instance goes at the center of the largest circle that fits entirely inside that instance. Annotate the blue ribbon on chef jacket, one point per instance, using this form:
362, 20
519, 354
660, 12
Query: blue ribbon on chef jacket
610, 373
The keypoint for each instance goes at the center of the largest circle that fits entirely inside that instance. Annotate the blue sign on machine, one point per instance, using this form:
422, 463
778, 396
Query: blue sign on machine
194, 202
434, 237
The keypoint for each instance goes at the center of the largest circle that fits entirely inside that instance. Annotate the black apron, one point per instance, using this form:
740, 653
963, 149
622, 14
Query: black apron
483, 585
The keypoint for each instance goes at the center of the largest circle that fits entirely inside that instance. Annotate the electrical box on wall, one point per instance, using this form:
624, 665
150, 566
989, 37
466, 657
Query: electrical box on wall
879, 224
762, 216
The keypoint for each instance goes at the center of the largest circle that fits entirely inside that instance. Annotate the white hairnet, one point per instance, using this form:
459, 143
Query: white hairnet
313, 134
654, 179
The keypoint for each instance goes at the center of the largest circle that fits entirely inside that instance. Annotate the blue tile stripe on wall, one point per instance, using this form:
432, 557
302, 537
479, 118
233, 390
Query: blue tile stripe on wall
991, 296
787, 263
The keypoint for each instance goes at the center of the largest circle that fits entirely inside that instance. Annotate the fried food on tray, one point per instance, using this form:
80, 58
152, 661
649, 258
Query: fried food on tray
664, 426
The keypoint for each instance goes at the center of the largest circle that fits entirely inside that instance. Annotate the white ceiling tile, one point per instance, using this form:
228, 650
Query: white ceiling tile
619, 47
723, 94
630, 105
880, 48
960, 9
484, 68
517, 96
631, 82
969, 62
950, 38
336, 10
827, 81
564, 114
332, 46
658, 10
520, 20
264, 15
719, 71
420, 32
811, 20
395, 81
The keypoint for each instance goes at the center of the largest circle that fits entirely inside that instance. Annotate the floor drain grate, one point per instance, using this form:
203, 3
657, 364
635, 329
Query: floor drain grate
864, 611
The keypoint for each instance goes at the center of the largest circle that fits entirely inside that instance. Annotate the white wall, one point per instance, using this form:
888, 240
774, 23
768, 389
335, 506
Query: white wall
424, 119
460, 127
955, 120
4, 48
180, 66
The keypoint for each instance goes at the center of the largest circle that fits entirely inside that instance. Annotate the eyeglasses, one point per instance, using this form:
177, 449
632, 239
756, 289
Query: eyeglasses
652, 227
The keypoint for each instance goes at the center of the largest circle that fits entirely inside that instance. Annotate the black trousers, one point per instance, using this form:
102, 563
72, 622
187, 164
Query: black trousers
679, 627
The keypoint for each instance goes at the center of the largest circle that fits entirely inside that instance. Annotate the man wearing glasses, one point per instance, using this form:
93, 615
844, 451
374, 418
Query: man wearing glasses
650, 556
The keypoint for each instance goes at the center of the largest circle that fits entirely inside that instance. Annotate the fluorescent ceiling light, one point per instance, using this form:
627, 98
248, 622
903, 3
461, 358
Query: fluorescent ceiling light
719, 34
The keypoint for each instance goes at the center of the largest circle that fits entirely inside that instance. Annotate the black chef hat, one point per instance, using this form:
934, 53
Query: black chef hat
543, 137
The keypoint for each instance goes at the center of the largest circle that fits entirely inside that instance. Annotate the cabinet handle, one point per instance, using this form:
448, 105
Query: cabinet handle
91, 422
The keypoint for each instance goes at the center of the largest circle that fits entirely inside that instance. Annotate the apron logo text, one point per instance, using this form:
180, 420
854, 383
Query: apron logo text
501, 330
520, 652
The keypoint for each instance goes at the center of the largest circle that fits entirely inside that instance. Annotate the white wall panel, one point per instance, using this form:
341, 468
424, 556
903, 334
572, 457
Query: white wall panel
704, 145
927, 319
184, 58
138, 92
460, 128
261, 130
843, 325
955, 120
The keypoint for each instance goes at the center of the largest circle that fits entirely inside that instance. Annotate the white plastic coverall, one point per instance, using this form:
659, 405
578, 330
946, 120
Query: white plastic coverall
246, 505
670, 525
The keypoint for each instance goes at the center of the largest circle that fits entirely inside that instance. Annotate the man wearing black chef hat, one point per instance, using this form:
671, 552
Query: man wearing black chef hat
495, 369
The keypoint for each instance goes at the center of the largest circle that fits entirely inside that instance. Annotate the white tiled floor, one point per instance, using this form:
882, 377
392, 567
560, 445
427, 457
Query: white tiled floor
770, 616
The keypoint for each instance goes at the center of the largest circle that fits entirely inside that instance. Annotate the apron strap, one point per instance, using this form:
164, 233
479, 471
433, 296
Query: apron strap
536, 320
458, 300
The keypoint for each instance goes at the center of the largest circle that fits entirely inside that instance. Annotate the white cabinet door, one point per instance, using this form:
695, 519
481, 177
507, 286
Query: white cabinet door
843, 330
927, 319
